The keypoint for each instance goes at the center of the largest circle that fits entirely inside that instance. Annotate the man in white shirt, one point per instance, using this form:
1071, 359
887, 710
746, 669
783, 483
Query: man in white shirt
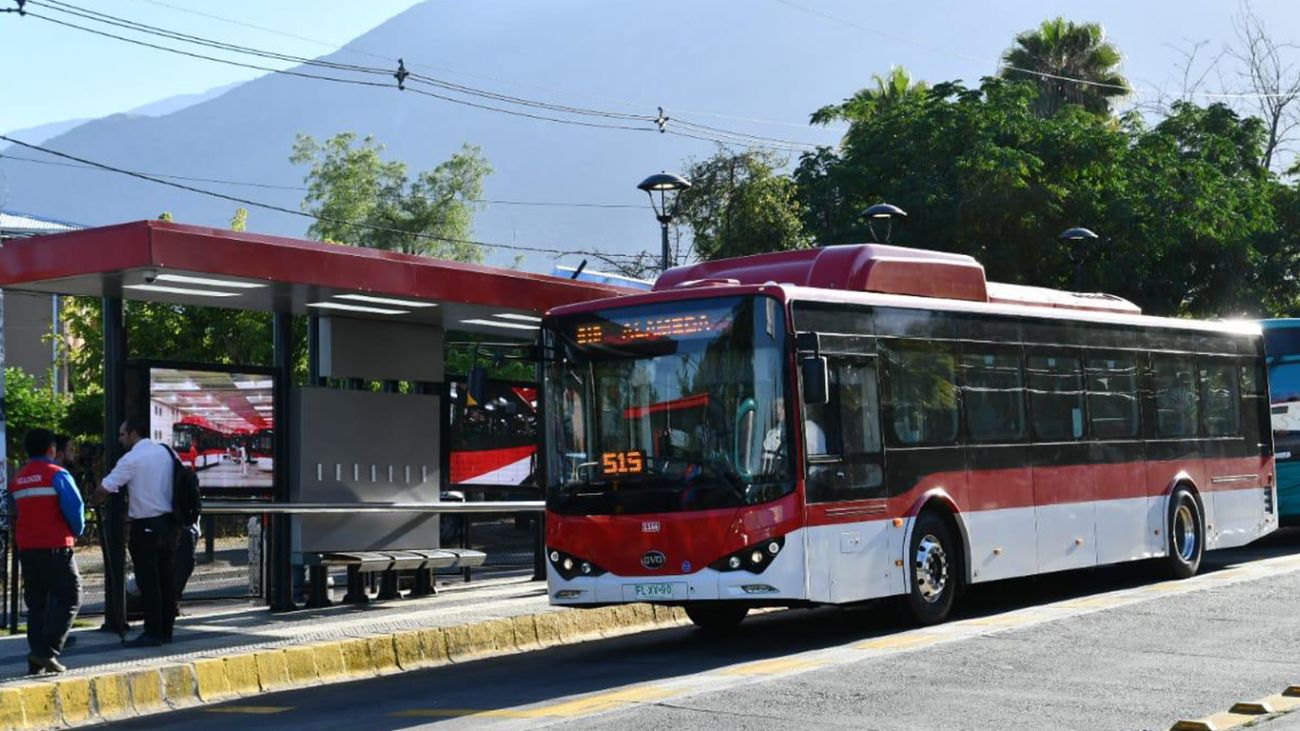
146, 470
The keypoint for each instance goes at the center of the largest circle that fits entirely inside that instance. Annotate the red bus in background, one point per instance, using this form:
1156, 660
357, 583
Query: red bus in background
261, 449
840, 424
198, 444
494, 441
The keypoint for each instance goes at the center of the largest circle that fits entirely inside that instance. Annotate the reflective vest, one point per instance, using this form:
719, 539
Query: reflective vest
40, 520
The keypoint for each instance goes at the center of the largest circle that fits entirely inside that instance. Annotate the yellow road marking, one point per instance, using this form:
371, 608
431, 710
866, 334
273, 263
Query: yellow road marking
897, 641
1092, 602
459, 712
1002, 620
1168, 587
772, 667
249, 709
569, 709
1232, 574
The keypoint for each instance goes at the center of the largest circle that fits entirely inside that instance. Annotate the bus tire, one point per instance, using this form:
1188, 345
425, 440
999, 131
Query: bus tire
716, 618
932, 561
1185, 527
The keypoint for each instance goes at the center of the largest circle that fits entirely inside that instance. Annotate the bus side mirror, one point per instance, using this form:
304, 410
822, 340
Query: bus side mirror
816, 380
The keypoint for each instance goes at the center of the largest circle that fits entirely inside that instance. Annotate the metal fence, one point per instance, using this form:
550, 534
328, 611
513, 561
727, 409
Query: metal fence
229, 557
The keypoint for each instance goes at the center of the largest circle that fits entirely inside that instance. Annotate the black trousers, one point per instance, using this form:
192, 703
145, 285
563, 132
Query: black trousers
153, 553
187, 538
52, 590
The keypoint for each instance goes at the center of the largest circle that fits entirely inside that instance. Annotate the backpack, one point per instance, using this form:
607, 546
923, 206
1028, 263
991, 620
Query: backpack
187, 504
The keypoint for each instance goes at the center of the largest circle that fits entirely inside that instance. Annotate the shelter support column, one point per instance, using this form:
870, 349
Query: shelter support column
279, 560
112, 517
317, 576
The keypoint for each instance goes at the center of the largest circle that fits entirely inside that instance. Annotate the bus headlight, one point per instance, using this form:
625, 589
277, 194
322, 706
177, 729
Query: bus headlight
754, 559
569, 566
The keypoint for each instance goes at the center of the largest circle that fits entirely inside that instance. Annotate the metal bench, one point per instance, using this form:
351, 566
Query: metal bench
389, 563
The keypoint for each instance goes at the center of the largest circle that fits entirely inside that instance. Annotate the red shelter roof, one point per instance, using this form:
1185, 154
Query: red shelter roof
160, 261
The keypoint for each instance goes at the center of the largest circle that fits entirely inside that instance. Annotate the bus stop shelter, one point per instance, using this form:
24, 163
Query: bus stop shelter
373, 316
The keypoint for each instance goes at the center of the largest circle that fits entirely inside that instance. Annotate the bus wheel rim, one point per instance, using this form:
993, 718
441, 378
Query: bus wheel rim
931, 569
1185, 533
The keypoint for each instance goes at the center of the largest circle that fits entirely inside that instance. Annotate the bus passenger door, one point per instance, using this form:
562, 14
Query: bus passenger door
1000, 482
849, 556
1064, 493
1235, 478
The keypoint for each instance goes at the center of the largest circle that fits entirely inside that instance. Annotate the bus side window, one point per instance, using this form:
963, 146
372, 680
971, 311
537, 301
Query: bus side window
1220, 398
1112, 396
847, 464
993, 391
1177, 397
921, 404
1056, 395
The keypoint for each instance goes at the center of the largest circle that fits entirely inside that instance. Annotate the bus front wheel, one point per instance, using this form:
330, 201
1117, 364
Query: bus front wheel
716, 618
932, 570
1186, 530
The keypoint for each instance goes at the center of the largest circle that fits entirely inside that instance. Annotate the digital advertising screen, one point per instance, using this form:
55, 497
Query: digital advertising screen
493, 440
221, 424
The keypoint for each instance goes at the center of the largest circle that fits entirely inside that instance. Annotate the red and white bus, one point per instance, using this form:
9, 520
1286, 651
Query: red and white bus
840, 424
198, 443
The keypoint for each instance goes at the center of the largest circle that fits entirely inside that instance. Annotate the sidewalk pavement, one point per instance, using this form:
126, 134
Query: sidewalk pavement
222, 651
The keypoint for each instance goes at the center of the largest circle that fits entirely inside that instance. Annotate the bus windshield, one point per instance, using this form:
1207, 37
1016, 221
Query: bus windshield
666, 407
181, 439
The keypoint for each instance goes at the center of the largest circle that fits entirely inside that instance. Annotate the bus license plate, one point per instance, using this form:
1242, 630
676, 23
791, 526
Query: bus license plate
653, 591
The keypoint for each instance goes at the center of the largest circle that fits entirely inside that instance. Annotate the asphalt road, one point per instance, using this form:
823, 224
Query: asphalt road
1116, 648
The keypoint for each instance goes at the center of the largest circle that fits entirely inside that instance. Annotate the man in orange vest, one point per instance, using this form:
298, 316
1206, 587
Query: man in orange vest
50, 516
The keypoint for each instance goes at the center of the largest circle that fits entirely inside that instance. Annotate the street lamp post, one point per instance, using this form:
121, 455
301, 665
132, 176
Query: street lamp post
668, 186
1077, 238
886, 212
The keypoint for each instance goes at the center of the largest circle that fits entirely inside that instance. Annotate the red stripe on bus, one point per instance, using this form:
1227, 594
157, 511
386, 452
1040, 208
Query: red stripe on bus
468, 464
687, 402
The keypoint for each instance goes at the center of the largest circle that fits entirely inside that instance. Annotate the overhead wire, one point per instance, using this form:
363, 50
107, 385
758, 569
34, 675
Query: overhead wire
703, 131
305, 214
302, 188
1010, 67
352, 48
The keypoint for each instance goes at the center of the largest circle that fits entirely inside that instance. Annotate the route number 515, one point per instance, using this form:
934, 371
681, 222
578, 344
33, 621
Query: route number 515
622, 463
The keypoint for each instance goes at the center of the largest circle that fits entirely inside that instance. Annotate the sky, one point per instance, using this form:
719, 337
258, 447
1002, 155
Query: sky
72, 75
759, 66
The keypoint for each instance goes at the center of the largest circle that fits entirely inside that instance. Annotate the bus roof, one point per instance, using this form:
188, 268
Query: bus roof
804, 275
887, 270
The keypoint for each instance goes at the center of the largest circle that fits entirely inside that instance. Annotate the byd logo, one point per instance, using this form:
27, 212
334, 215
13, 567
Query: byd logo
653, 560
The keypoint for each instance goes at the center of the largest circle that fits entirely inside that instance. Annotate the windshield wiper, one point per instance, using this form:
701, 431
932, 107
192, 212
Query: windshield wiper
721, 469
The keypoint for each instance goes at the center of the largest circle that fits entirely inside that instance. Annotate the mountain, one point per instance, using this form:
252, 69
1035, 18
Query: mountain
180, 101
721, 64
246, 133
42, 132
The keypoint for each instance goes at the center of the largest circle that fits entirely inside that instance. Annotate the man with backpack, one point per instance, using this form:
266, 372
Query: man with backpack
147, 471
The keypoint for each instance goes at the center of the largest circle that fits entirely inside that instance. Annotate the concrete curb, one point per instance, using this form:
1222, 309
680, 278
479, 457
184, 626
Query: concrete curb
1245, 713
78, 701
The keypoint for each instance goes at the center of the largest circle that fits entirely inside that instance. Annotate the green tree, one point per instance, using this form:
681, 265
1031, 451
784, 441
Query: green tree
365, 200
888, 90
1070, 63
239, 222
29, 405
739, 204
1187, 211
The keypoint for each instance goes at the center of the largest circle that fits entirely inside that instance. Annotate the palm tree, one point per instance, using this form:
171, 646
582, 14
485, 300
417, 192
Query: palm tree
1071, 64
889, 90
